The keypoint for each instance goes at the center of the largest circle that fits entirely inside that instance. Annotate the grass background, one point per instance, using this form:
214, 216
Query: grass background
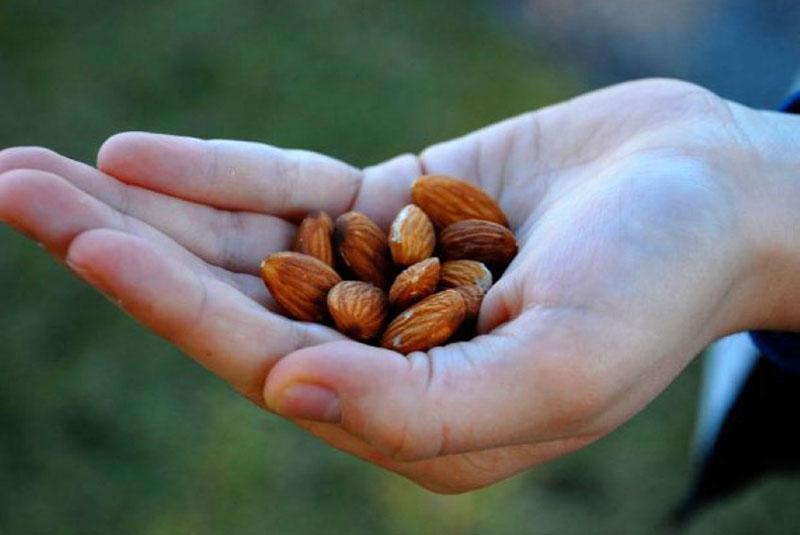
105, 428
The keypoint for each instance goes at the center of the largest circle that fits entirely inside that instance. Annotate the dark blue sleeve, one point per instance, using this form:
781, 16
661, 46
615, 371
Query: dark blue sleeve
782, 348
792, 104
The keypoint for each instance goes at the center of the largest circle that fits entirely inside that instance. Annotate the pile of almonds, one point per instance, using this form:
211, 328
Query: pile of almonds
397, 275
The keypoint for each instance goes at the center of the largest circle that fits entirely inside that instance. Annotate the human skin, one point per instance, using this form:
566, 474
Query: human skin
653, 218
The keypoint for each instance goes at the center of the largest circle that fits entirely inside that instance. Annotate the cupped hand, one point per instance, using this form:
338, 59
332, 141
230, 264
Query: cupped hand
634, 255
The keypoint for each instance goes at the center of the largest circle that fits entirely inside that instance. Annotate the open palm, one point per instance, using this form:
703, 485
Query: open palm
630, 263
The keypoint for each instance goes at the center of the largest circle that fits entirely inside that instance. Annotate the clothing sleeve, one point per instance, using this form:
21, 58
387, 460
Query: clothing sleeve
782, 348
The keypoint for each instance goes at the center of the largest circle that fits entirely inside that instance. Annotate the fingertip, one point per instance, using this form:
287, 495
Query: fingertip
495, 309
27, 157
102, 256
18, 180
130, 154
10, 182
116, 147
94, 245
31, 201
120, 264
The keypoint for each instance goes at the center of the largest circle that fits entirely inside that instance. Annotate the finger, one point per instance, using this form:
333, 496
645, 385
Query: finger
387, 188
216, 325
503, 159
233, 175
236, 241
53, 211
519, 384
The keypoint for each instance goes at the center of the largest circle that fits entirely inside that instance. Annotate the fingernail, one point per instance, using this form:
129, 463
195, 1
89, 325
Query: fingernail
309, 402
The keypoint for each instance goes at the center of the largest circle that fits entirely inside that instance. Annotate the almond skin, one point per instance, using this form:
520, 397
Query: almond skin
427, 324
414, 283
483, 241
448, 200
457, 273
314, 237
363, 248
299, 283
358, 309
411, 236
473, 297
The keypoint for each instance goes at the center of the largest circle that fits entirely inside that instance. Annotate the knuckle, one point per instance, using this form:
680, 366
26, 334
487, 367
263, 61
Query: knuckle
416, 435
289, 168
403, 443
676, 100
670, 87
693, 124
396, 443
289, 175
701, 102
213, 160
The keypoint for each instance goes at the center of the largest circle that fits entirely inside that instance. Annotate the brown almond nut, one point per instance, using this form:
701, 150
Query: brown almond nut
414, 283
411, 236
299, 283
448, 200
314, 237
483, 241
429, 323
363, 248
473, 297
358, 309
460, 272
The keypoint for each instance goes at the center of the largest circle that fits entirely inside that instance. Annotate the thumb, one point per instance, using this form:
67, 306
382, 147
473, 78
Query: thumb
496, 390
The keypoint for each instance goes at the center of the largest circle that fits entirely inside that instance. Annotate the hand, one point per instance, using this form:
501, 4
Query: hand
643, 238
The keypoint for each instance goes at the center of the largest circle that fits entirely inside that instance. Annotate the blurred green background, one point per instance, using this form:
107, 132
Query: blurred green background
105, 428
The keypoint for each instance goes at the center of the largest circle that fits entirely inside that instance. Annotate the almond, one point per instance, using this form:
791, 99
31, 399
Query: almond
460, 272
358, 309
473, 297
415, 283
363, 248
483, 241
299, 283
448, 200
314, 237
427, 324
411, 236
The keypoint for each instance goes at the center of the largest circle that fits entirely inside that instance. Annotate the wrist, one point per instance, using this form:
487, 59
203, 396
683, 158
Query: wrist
768, 186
